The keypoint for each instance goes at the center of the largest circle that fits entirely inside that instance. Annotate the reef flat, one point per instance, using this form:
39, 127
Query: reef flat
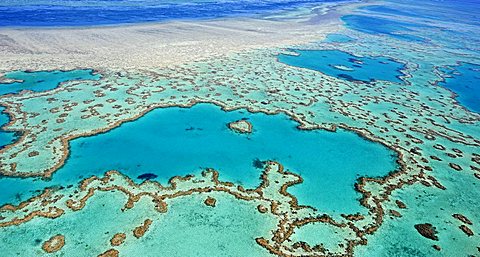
391, 87
241, 126
169, 142
153, 45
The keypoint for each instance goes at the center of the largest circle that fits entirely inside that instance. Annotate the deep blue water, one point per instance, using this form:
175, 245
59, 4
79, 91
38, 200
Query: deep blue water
389, 10
464, 81
43, 80
87, 13
178, 141
400, 19
381, 26
460, 11
345, 66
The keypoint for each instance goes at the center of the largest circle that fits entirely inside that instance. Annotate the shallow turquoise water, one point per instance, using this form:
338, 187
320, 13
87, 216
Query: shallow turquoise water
36, 81
465, 83
178, 141
231, 226
43, 80
345, 66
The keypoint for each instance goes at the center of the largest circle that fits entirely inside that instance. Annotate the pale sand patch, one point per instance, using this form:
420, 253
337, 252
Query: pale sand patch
150, 46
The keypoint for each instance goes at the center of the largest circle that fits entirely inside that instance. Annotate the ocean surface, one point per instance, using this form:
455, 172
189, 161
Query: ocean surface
344, 65
464, 81
382, 26
18, 13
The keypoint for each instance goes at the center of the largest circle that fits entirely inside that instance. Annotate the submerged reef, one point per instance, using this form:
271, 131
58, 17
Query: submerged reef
268, 198
428, 206
430, 142
54, 244
427, 230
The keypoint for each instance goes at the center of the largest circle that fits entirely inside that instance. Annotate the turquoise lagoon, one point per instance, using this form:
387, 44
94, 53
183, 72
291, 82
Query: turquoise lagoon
343, 65
179, 141
231, 226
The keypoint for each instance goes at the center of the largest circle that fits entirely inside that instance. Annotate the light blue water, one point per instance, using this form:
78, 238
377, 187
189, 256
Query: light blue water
177, 141
464, 81
43, 80
364, 69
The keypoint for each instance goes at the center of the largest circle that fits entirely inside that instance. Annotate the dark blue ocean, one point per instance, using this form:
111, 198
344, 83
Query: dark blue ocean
18, 13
